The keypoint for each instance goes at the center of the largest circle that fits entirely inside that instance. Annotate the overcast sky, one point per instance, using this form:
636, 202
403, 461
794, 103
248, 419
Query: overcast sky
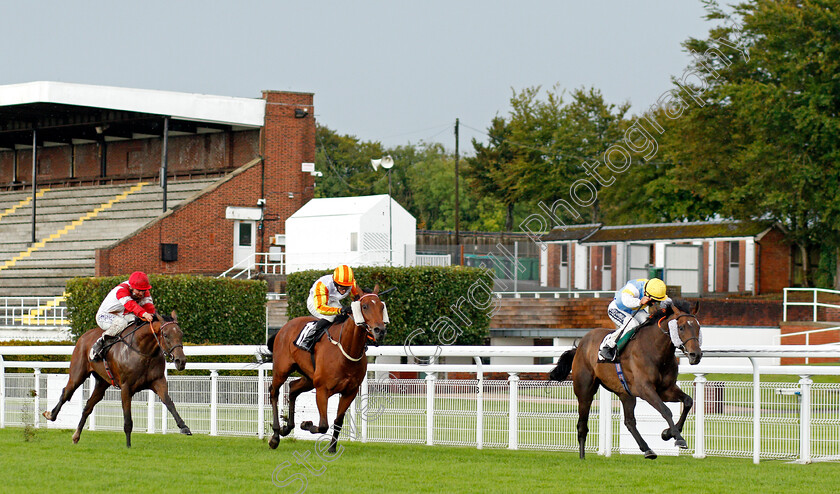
394, 72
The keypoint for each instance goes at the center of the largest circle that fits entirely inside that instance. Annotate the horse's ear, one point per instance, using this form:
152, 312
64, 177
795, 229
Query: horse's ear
174, 316
696, 308
376, 288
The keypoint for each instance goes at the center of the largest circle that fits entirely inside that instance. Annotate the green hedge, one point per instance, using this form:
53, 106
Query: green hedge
423, 296
210, 310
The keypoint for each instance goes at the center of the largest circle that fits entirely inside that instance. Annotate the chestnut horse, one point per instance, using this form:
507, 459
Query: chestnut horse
338, 364
136, 362
649, 365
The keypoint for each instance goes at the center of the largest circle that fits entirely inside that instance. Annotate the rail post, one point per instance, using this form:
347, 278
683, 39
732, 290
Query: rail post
756, 411
37, 399
479, 404
2, 393
604, 422
805, 419
700, 416
364, 397
513, 411
163, 410
150, 413
214, 402
430, 408
260, 402
92, 416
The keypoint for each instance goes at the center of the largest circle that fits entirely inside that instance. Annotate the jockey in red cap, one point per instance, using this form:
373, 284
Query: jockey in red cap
128, 300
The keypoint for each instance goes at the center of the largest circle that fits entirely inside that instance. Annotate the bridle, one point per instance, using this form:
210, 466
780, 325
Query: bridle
665, 331
368, 330
163, 324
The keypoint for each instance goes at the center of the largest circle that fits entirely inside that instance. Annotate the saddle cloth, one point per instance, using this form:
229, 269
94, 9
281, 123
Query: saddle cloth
307, 338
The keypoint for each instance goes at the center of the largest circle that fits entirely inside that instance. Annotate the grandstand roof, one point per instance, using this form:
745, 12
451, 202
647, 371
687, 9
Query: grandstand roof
64, 112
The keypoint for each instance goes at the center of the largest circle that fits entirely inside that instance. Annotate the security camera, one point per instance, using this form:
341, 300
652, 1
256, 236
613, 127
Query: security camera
260, 202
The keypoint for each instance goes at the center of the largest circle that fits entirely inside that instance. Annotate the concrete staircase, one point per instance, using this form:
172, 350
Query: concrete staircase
71, 223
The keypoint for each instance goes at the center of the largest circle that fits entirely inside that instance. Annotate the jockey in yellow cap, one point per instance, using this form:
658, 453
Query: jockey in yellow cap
630, 308
324, 301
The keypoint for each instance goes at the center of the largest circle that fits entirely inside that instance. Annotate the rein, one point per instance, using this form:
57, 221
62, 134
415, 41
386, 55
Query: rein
167, 354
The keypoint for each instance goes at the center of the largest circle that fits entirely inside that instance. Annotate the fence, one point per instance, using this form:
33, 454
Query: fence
798, 421
813, 301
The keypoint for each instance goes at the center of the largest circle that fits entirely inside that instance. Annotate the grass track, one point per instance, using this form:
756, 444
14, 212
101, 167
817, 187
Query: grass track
174, 463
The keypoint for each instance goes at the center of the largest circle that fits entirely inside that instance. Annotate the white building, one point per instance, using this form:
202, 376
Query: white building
358, 231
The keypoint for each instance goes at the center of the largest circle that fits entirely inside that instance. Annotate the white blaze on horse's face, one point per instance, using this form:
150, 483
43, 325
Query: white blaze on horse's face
688, 331
373, 309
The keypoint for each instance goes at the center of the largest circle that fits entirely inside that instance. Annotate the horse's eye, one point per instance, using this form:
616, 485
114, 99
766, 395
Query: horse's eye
364, 307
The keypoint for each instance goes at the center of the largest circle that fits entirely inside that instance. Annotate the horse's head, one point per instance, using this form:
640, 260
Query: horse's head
171, 339
374, 313
684, 329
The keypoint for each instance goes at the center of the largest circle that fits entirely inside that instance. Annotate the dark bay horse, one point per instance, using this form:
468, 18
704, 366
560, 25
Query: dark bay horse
136, 362
649, 365
339, 365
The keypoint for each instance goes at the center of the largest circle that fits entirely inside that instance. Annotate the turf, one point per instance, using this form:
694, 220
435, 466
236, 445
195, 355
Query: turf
49, 462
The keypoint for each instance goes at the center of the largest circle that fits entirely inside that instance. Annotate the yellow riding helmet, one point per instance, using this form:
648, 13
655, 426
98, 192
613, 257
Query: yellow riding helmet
655, 289
343, 275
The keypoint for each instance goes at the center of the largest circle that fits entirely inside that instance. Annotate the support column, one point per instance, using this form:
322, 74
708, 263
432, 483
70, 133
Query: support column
700, 416
513, 411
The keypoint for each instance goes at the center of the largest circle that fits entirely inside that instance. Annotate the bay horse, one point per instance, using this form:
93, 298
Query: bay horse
649, 365
338, 364
136, 362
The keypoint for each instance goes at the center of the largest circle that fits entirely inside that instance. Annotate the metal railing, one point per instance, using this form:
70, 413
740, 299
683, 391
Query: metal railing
259, 262
736, 419
814, 302
556, 294
432, 260
33, 311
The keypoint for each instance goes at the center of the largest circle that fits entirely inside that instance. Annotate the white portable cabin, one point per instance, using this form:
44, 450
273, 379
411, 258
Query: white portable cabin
350, 230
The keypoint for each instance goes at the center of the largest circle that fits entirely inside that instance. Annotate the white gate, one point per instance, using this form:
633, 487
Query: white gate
638, 259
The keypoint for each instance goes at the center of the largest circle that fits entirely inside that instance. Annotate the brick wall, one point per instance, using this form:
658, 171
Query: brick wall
203, 234
814, 338
773, 263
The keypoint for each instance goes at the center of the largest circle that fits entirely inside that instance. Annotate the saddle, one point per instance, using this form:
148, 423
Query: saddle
310, 334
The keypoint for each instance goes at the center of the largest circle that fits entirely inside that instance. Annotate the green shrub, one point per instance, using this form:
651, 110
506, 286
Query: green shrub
423, 296
210, 310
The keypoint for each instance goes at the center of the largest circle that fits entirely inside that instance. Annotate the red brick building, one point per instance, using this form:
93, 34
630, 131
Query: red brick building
261, 150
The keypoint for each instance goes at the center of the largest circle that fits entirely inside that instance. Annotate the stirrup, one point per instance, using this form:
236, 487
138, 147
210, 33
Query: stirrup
607, 354
96, 350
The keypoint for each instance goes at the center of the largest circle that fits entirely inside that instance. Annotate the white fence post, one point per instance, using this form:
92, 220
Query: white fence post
260, 402
513, 411
2, 393
700, 416
37, 400
92, 416
150, 413
815, 305
479, 404
805, 420
604, 422
430, 408
214, 402
364, 393
163, 410
756, 411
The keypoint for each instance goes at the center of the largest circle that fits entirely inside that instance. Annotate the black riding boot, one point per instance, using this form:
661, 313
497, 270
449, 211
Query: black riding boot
315, 334
96, 351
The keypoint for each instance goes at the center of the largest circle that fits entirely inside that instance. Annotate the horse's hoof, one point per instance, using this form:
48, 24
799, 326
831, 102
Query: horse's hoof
331, 449
680, 443
650, 455
306, 425
273, 442
186, 431
285, 430
666, 435
76, 438
47, 415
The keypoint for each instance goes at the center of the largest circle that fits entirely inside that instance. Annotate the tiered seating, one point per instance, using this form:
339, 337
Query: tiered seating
71, 224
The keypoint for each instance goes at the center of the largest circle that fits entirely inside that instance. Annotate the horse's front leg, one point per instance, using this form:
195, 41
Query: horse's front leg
629, 404
649, 395
95, 397
321, 398
277, 380
128, 424
674, 394
343, 404
161, 388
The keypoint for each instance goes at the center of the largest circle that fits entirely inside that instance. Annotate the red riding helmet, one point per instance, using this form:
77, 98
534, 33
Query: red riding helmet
139, 281
343, 275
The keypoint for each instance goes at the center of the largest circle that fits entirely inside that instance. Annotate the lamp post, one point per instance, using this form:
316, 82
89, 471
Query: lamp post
387, 163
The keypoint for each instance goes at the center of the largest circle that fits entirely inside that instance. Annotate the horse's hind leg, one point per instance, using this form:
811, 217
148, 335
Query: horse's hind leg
585, 388
128, 423
161, 388
76, 377
674, 394
629, 405
95, 397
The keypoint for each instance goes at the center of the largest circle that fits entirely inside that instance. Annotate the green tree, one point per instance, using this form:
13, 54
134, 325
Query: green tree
760, 132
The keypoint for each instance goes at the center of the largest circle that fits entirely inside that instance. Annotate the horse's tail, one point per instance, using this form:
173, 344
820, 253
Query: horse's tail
265, 357
564, 366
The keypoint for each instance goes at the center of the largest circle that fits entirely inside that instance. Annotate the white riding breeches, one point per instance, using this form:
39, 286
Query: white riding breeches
112, 324
623, 322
